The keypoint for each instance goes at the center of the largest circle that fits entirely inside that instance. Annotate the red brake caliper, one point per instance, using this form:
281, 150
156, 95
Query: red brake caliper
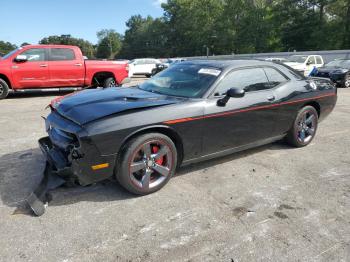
155, 150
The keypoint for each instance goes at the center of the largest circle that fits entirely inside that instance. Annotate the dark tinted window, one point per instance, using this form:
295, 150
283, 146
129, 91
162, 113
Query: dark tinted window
253, 79
35, 54
182, 80
61, 54
275, 78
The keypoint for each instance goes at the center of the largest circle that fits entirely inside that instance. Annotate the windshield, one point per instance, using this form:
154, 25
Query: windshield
182, 80
339, 63
11, 53
297, 58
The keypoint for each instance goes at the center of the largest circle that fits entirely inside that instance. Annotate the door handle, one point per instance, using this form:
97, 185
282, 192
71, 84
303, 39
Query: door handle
43, 65
78, 64
271, 98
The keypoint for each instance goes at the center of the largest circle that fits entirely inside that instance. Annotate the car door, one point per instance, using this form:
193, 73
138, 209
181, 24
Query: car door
241, 121
32, 73
310, 64
151, 64
319, 61
66, 69
139, 66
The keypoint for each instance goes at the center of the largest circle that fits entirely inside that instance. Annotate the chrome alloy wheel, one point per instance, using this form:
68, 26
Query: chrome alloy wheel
112, 83
347, 81
151, 164
306, 127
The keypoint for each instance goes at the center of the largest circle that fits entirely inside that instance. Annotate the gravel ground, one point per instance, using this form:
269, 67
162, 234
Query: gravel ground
273, 203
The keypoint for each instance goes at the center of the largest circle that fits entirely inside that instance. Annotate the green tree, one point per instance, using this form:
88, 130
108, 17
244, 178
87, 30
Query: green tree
145, 37
6, 47
109, 43
193, 25
86, 47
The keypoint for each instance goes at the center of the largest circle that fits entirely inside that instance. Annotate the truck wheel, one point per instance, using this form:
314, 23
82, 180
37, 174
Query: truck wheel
304, 127
147, 163
4, 89
109, 82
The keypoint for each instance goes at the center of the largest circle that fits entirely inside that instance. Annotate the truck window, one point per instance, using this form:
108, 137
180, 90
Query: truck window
319, 60
61, 54
311, 60
35, 54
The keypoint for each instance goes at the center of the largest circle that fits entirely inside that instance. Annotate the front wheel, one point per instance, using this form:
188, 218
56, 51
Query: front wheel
4, 89
147, 163
347, 80
304, 127
109, 82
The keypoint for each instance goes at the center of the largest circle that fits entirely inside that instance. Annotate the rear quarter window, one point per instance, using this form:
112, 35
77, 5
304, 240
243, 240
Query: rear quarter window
275, 77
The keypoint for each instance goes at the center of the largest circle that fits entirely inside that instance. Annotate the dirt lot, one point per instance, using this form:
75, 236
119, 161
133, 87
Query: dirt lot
274, 203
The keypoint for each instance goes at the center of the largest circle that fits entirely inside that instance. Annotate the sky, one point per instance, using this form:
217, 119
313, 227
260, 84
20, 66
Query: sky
31, 20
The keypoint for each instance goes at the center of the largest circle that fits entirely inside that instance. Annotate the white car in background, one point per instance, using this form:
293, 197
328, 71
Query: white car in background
305, 63
143, 66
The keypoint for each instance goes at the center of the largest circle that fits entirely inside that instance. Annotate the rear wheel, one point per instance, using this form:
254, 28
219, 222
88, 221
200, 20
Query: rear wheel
147, 163
347, 80
109, 82
304, 127
4, 89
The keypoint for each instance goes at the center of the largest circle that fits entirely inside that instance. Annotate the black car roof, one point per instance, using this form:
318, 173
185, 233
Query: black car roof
224, 64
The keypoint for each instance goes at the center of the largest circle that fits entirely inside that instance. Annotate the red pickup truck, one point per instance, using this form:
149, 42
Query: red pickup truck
56, 67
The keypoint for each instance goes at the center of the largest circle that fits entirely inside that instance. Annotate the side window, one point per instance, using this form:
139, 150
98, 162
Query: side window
61, 54
275, 78
35, 54
319, 60
140, 62
253, 79
311, 60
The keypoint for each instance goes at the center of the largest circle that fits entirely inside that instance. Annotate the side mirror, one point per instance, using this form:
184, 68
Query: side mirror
235, 92
232, 92
21, 58
308, 63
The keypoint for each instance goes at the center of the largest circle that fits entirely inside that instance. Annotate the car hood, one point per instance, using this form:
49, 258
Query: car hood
89, 105
330, 69
294, 65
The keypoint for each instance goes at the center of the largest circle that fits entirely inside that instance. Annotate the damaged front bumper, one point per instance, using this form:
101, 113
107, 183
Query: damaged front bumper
64, 167
54, 176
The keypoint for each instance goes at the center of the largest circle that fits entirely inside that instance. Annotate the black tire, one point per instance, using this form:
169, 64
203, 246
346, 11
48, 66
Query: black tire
304, 127
109, 82
154, 71
134, 155
346, 83
4, 89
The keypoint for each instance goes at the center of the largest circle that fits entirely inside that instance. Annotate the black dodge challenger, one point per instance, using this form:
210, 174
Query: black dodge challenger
190, 112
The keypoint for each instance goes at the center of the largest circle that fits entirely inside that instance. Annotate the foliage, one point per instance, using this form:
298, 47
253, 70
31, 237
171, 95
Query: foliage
6, 47
86, 47
109, 43
190, 27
